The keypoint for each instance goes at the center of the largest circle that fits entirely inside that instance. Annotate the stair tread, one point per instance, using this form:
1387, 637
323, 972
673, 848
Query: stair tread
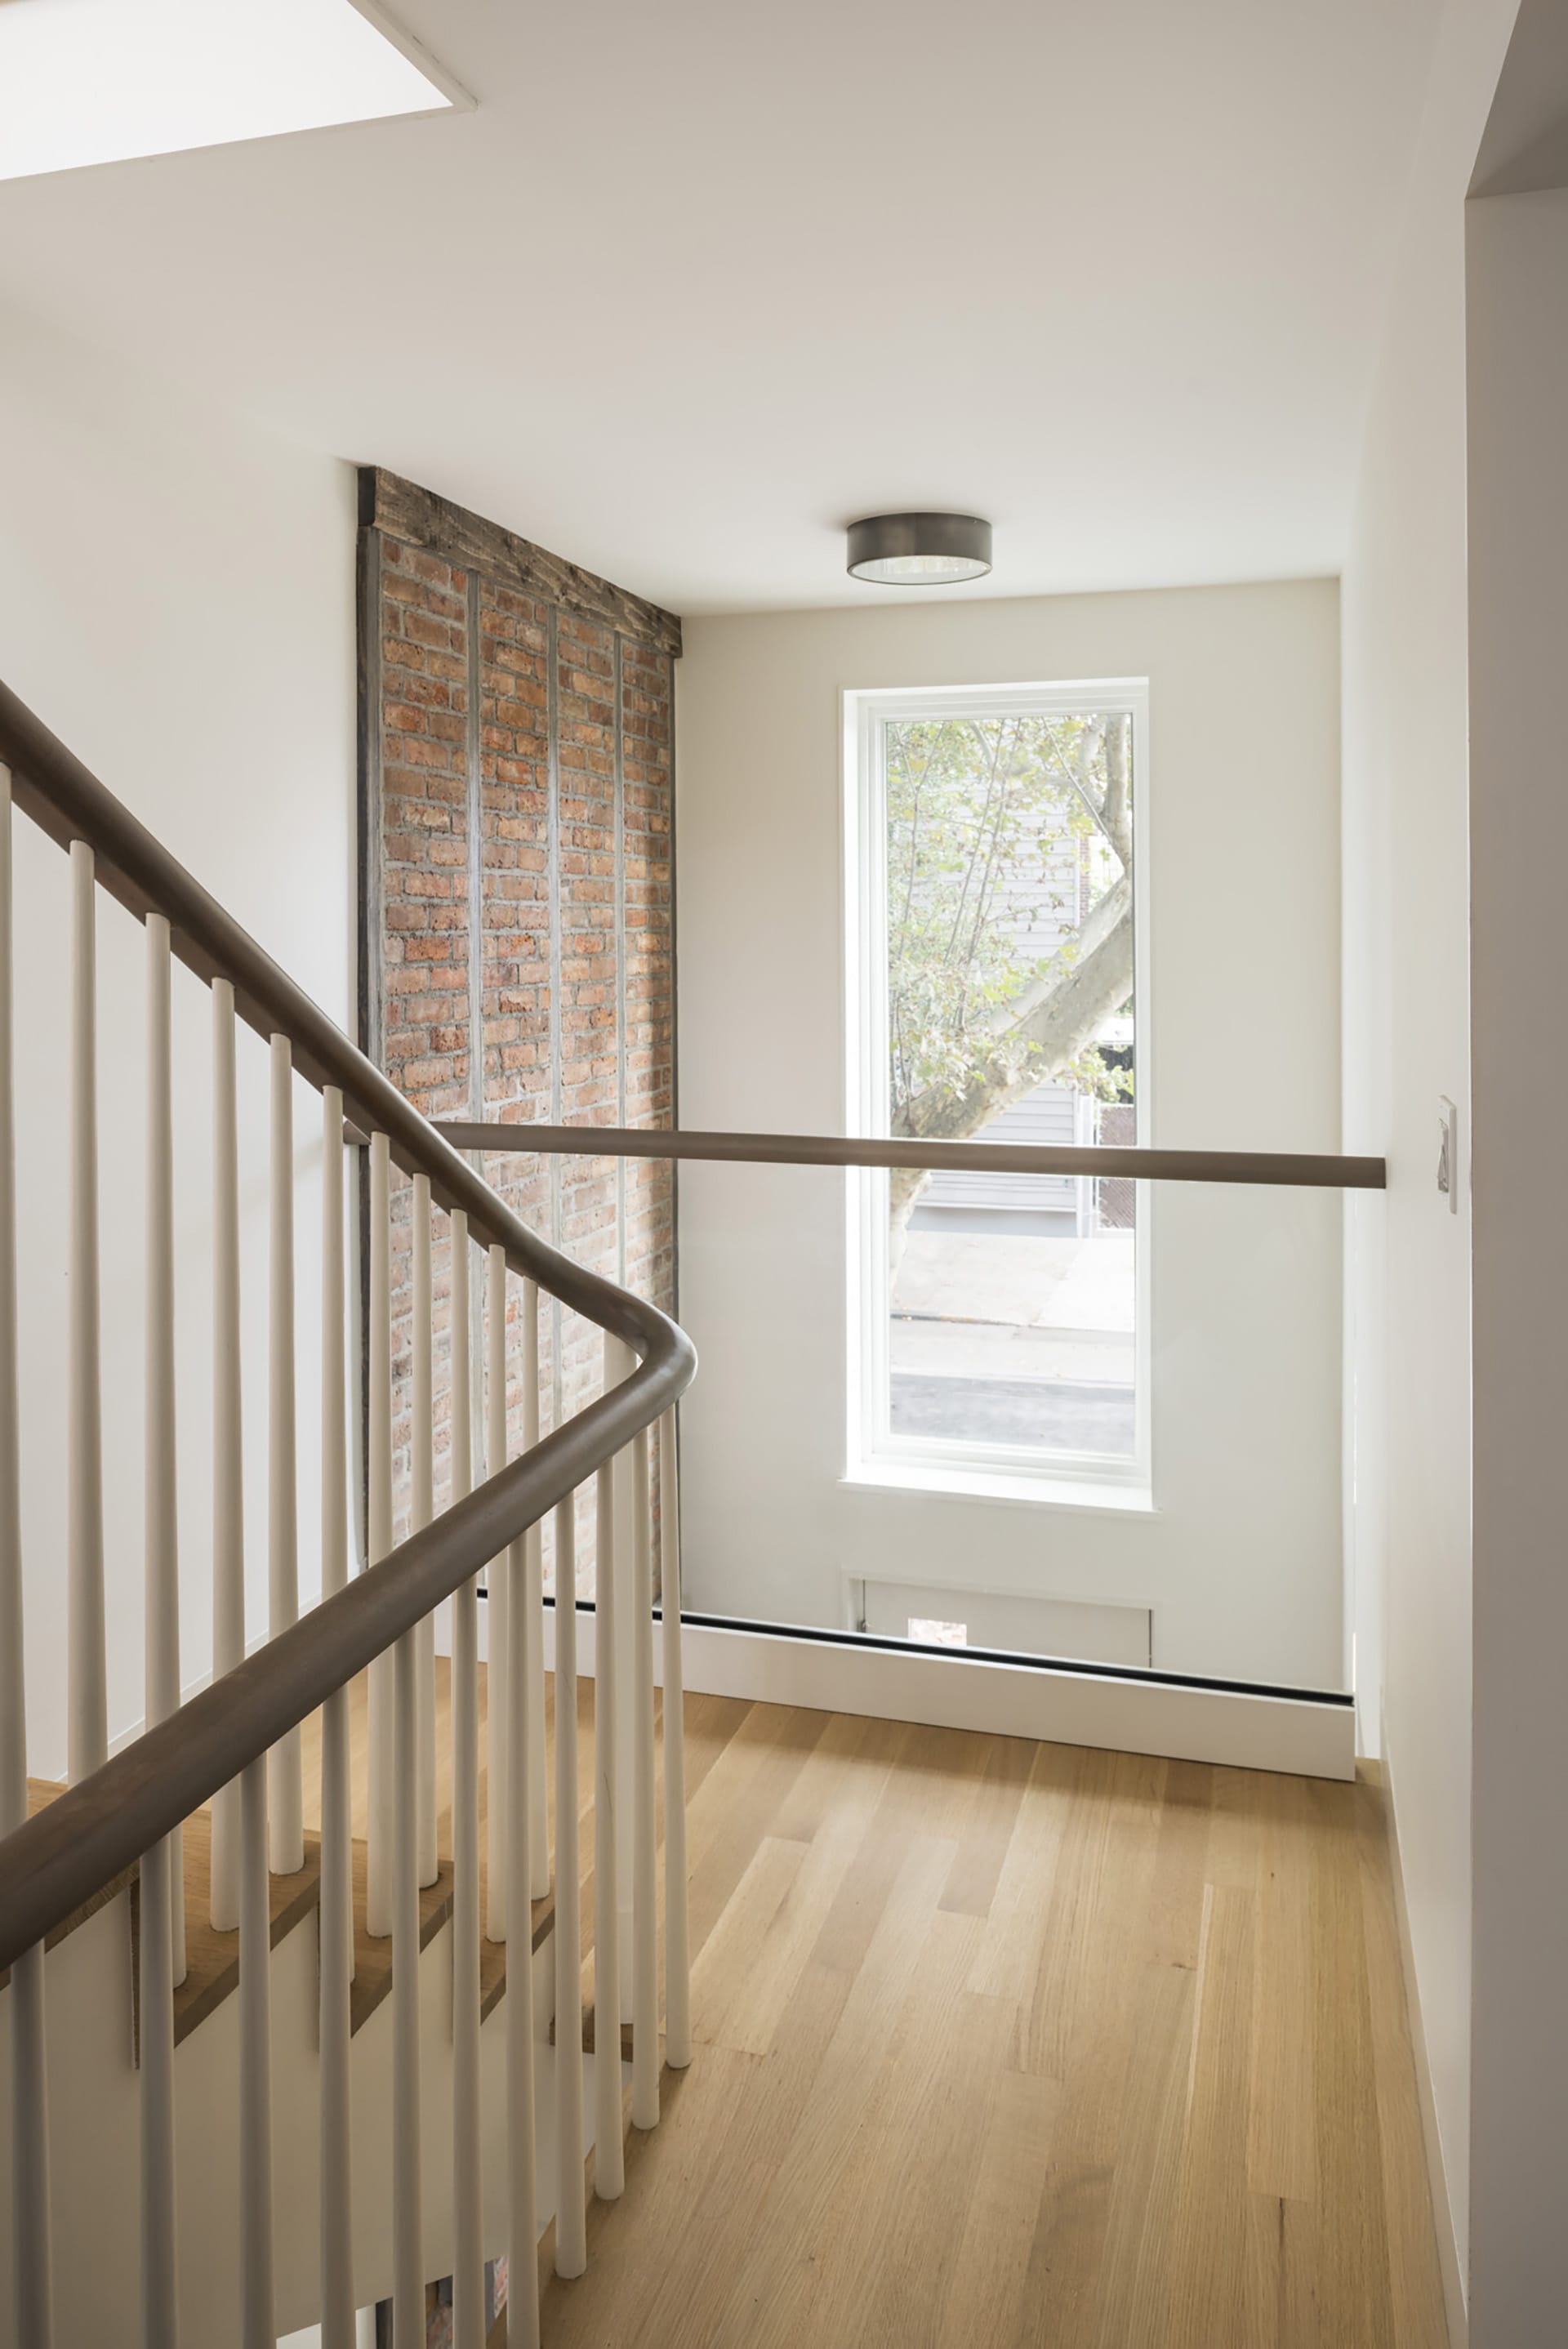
212, 1956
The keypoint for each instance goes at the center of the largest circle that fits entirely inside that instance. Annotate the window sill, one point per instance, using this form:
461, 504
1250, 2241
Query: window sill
990, 1485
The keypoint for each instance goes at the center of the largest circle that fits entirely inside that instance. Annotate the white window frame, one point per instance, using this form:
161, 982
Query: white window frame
874, 1454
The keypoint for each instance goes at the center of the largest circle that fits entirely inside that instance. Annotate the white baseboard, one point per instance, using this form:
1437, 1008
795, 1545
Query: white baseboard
1301, 1737
1298, 1735
1448, 2262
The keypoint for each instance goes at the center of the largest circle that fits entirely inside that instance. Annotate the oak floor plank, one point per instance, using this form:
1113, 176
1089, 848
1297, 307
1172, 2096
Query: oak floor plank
1214, 2303
779, 1955
1129, 2305
1174, 1923
732, 1810
879, 2270
1081, 2027
987, 2294
1010, 1955
977, 1870
1282, 2138
738, 1948
822, 2169
1104, 1871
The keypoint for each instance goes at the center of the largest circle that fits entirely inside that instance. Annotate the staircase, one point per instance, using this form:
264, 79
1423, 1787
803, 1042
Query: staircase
262, 2051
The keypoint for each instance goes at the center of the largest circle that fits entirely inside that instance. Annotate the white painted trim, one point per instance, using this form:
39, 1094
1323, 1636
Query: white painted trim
1293, 1735
981, 1484
409, 45
1448, 2262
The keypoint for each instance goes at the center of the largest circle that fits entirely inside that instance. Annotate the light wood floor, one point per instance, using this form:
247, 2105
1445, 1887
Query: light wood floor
1011, 2045
1003, 2044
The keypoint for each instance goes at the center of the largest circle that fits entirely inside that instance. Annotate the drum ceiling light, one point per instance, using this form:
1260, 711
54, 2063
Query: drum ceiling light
919, 550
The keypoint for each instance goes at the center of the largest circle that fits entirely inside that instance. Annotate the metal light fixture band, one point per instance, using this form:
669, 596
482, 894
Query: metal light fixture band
937, 548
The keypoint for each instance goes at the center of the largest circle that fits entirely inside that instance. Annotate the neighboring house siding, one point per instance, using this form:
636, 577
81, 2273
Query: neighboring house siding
518, 888
1045, 1119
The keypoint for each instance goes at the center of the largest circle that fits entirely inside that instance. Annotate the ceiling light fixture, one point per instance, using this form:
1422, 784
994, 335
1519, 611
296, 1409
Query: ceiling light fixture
919, 550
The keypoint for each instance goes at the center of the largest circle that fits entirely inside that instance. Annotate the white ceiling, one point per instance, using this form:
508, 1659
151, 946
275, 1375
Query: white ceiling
697, 283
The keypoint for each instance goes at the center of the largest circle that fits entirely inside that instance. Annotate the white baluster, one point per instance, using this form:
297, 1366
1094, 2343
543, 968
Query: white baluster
161, 1563
162, 1886
468, 2180
533, 1576
87, 1696
570, 2222
407, 2242
644, 1808
497, 1641
619, 1364
258, 2328
159, 2281
285, 1800
378, 1537
337, 2306
32, 2293
423, 1448
609, 2162
678, 1910
227, 1450
522, 2202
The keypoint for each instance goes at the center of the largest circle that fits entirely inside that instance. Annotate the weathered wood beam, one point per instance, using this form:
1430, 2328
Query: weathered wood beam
419, 518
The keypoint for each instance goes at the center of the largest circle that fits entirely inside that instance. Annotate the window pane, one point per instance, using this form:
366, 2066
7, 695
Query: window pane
1010, 1018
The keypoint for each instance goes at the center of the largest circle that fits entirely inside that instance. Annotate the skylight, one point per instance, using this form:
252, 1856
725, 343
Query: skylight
98, 81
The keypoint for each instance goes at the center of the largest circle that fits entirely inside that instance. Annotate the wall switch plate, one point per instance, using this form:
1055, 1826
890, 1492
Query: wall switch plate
1449, 1152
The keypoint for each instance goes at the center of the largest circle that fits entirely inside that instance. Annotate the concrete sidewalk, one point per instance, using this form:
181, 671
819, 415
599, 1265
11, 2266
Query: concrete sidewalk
966, 1305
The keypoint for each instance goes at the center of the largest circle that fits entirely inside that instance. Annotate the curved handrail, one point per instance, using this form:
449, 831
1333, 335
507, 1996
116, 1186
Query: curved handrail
61, 1856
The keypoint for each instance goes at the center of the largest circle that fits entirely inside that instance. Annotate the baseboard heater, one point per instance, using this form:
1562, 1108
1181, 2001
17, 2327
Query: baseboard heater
1305, 1733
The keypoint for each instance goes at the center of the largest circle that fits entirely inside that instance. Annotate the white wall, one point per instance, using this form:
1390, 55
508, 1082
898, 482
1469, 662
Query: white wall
1406, 1041
177, 603
1241, 1563
1518, 390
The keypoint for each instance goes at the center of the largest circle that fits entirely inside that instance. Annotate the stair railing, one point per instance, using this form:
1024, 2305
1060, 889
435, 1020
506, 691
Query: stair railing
237, 1745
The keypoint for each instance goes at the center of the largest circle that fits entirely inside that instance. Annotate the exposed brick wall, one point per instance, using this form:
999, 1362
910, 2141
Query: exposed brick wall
514, 906
517, 847
424, 825
425, 925
647, 733
591, 942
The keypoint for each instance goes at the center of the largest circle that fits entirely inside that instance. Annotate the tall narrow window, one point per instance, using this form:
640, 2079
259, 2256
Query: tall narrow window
995, 985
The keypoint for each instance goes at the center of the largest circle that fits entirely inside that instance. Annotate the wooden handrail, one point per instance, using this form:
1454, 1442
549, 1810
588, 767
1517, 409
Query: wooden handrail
1312, 1170
104, 1824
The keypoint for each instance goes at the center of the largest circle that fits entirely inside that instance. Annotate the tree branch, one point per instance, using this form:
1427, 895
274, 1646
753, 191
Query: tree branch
1053, 1031
1118, 807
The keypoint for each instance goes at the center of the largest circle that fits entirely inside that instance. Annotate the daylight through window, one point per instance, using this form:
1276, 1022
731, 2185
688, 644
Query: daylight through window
997, 1001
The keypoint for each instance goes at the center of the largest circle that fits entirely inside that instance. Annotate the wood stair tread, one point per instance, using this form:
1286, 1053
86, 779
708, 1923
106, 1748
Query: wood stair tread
213, 1957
